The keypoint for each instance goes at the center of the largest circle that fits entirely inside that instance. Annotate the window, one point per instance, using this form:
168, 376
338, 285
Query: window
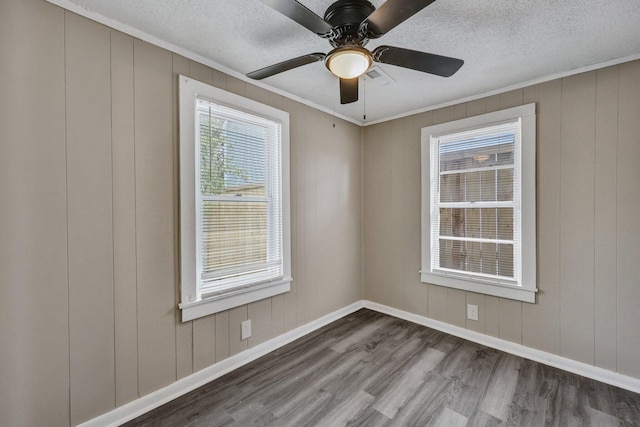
478, 215
234, 200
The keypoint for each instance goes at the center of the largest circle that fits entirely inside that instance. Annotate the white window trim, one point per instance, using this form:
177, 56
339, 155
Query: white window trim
527, 290
193, 304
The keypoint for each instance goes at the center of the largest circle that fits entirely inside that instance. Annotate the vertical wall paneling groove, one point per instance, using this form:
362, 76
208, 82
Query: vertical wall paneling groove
184, 331
628, 225
296, 118
318, 213
511, 99
492, 315
476, 107
90, 218
510, 310
260, 314
204, 328
377, 193
346, 155
34, 342
305, 173
263, 96
438, 305
222, 336
277, 315
401, 133
236, 86
577, 216
443, 115
541, 321
606, 159
298, 267
236, 316
310, 196
204, 342
416, 295
456, 308
510, 320
492, 103
154, 216
396, 219
124, 218
326, 189
459, 111
438, 296
200, 72
219, 79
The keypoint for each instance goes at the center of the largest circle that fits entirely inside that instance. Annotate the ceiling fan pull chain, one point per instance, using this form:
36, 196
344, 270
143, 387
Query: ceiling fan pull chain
364, 99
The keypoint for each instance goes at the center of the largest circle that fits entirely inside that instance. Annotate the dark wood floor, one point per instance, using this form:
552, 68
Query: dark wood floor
370, 369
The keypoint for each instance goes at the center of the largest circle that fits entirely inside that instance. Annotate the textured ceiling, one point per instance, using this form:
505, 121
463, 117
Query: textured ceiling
504, 43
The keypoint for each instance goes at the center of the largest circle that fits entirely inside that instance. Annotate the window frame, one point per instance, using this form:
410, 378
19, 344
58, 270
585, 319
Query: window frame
194, 302
525, 210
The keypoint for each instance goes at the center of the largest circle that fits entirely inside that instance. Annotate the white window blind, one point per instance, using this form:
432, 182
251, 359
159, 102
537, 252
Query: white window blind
235, 222
475, 198
478, 204
240, 199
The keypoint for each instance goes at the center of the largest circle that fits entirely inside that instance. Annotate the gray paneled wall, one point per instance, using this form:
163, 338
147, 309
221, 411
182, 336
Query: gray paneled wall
588, 229
89, 220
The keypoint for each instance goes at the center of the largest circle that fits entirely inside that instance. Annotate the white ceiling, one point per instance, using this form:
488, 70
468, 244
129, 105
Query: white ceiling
504, 43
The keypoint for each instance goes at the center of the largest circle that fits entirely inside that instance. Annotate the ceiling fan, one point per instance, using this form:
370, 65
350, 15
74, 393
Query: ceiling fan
349, 25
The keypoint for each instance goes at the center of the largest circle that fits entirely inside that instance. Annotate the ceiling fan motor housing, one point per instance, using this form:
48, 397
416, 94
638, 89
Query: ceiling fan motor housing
345, 16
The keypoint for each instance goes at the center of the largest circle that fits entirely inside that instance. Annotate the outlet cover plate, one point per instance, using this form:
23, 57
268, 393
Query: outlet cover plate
472, 312
245, 329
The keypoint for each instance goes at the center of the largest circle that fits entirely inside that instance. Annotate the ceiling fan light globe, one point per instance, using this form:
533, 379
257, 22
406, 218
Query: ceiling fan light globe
349, 63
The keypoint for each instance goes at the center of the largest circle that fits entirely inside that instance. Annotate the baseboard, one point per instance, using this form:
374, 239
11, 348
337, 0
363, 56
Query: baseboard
586, 370
182, 386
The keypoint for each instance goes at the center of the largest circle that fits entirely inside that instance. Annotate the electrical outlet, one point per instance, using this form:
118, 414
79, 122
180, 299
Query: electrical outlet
245, 329
472, 312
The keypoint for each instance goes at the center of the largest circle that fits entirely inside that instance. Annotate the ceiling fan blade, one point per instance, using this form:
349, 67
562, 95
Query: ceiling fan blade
299, 13
391, 14
348, 90
285, 66
421, 61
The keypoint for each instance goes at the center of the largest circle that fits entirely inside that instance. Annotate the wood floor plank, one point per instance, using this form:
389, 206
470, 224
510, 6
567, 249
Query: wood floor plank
358, 336
347, 410
450, 418
297, 397
627, 407
370, 418
427, 403
395, 396
499, 394
285, 396
597, 418
311, 411
481, 418
370, 369
527, 410
565, 406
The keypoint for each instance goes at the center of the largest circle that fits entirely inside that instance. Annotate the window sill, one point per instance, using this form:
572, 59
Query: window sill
216, 303
494, 289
